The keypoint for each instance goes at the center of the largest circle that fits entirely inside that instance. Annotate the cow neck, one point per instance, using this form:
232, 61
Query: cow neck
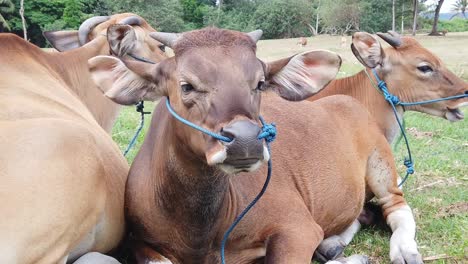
72, 66
200, 197
360, 87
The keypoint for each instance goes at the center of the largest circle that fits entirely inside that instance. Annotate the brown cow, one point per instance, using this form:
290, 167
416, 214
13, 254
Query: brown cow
302, 41
411, 72
181, 194
63, 178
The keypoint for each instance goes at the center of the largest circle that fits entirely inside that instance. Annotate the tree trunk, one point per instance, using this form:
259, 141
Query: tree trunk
393, 15
434, 31
415, 16
402, 18
23, 21
317, 19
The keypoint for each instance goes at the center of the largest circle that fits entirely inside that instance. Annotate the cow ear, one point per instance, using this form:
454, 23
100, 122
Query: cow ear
302, 75
122, 39
128, 82
367, 49
63, 40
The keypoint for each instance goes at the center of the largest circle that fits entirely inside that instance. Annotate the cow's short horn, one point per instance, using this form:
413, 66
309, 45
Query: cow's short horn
168, 39
132, 20
88, 25
392, 38
255, 35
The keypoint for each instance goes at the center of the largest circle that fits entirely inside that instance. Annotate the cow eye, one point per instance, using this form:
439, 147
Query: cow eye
186, 87
425, 69
260, 86
162, 47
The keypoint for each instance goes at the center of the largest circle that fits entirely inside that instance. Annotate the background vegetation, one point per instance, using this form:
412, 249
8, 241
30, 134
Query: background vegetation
278, 18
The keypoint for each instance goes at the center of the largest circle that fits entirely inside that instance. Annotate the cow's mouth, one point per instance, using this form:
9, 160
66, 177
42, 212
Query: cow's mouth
454, 114
245, 164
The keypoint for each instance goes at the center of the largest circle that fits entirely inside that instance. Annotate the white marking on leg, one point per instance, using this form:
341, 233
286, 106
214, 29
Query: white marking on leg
402, 243
350, 232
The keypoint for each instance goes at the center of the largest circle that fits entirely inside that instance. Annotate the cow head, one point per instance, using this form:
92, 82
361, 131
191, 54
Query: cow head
127, 34
412, 72
215, 80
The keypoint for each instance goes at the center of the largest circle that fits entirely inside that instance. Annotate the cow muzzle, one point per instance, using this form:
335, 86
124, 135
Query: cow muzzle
245, 152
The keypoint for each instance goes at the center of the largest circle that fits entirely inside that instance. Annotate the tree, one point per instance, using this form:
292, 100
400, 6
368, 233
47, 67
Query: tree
434, 31
415, 16
460, 8
6, 6
340, 17
393, 15
23, 21
283, 18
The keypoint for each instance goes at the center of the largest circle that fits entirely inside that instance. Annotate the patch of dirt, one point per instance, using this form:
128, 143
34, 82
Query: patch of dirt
419, 134
453, 209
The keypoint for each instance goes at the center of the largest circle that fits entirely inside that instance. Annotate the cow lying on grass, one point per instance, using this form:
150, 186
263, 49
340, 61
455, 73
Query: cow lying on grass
412, 73
63, 178
182, 193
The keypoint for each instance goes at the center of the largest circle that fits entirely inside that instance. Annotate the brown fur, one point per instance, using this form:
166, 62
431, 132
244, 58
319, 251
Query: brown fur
63, 176
179, 206
404, 80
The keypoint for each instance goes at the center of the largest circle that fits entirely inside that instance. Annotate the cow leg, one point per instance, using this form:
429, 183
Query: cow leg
382, 180
294, 243
145, 254
333, 247
96, 258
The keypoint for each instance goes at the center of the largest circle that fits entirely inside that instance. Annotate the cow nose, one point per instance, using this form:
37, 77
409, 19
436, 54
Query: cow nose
245, 147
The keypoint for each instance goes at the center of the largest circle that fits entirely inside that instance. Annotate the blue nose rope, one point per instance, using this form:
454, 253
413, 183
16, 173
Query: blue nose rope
140, 109
268, 134
394, 101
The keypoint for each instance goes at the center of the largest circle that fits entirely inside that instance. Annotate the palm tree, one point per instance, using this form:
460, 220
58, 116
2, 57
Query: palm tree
459, 7
6, 7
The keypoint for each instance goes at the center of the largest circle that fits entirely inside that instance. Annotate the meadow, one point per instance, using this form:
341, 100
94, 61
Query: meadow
437, 192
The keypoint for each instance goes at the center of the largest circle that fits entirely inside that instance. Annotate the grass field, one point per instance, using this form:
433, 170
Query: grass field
437, 192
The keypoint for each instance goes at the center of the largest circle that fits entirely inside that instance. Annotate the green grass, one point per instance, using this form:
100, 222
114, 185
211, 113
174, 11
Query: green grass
437, 192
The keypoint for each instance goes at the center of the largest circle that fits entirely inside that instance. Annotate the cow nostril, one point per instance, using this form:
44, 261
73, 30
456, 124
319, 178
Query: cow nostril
227, 133
466, 92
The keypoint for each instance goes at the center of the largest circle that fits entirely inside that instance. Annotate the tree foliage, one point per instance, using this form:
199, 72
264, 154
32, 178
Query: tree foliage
277, 18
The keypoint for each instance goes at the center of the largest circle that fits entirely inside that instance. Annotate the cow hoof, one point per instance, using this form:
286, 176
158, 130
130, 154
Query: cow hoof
331, 248
96, 258
409, 258
354, 259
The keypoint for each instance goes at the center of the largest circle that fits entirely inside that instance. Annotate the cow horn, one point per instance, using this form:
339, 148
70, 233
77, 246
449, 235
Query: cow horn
392, 38
132, 20
168, 39
255, 35
88, 25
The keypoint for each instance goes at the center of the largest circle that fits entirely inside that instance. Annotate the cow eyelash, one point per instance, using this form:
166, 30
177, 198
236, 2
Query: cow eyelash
425, 69
186, 87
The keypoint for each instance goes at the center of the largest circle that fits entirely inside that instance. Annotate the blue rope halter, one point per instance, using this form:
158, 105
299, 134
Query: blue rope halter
394, 101
140, 109
268, 134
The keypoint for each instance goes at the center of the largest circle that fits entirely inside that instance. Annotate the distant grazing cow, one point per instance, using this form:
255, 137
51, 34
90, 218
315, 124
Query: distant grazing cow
411, 72
182, 194
302, 41
343, 42
63, 178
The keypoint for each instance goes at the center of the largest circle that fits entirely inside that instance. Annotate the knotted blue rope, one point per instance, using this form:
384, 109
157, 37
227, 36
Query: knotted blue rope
393, 100
139, 108
268, 134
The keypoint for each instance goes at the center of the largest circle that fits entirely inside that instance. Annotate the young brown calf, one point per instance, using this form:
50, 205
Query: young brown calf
182, 193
